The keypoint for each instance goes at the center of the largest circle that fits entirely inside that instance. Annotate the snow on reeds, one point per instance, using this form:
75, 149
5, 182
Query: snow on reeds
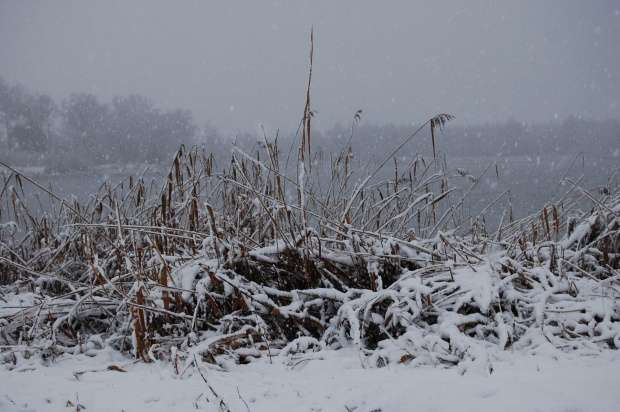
213, 264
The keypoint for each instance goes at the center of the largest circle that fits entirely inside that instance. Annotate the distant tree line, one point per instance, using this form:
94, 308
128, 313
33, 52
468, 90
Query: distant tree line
27, 118
508, 138
129, 129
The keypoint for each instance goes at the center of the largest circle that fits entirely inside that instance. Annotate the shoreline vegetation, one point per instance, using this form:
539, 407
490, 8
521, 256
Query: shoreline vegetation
219, 265
285, 252
82, 133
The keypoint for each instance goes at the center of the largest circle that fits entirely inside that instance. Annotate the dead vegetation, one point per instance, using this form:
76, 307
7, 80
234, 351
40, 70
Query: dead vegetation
248, 262
259, 258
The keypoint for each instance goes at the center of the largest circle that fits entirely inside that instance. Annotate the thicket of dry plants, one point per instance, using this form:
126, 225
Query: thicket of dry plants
249, 261
270, 256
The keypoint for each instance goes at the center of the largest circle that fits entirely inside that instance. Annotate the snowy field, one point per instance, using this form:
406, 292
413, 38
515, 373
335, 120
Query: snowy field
325, 381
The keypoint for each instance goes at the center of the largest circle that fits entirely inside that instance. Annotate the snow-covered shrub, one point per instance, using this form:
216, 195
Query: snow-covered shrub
250, 262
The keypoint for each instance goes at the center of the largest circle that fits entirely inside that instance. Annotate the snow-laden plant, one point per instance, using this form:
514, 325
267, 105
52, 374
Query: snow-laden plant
253, 262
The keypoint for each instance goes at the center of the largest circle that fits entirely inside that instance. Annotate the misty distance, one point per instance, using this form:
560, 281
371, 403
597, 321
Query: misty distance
83, 131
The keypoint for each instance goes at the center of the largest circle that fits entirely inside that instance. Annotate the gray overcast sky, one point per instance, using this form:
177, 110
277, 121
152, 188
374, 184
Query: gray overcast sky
238, 64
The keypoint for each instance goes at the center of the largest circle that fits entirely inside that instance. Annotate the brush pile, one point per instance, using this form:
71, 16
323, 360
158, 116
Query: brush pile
250, 262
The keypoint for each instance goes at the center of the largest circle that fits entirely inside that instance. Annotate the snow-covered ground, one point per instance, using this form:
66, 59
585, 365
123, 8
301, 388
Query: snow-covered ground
323, 381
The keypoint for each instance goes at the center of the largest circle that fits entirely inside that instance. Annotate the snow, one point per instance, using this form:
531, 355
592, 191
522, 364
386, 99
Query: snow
315, 381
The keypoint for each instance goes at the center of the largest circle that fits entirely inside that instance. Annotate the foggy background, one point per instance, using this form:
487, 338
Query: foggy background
236, 64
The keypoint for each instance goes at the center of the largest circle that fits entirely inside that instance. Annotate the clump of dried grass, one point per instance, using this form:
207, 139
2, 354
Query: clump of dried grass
241, 263
254, 260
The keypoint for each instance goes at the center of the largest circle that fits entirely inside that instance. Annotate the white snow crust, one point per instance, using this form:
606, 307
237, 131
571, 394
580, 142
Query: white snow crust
313, 381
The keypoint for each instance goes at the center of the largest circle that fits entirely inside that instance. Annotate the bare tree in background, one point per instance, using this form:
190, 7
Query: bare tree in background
27, 118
